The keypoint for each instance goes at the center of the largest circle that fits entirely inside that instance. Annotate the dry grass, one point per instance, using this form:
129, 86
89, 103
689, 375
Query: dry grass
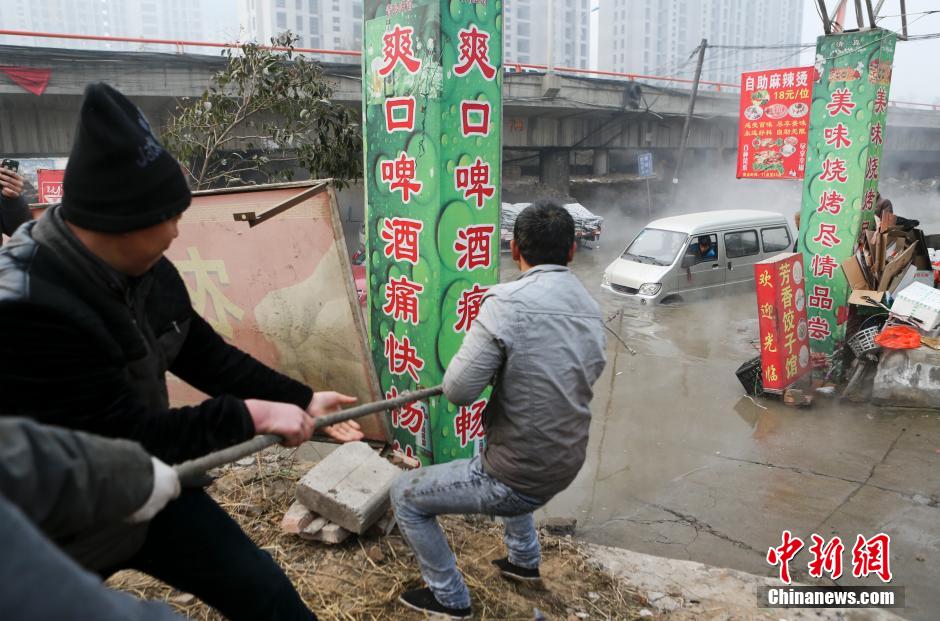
362, 578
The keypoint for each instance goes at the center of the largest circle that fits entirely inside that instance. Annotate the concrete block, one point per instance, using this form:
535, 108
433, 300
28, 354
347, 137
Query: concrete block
326, 532
349, 487
333, 533
908, 378
384, 526
312, 530
297, 518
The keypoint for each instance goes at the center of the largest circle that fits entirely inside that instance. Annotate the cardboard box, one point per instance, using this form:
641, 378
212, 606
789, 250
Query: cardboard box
854, 274
857, 298
921, 302
895, 266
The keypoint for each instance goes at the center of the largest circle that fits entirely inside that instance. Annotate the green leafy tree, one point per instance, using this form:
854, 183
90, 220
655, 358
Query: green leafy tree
268, 110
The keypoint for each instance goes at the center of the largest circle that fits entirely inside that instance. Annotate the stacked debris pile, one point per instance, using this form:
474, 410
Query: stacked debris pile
361, 577
587, 225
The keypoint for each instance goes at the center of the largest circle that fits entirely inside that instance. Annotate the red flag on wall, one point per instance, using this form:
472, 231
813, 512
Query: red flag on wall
29, 78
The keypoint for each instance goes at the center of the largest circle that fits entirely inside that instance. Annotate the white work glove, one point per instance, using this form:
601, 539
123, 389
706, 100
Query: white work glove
166, 487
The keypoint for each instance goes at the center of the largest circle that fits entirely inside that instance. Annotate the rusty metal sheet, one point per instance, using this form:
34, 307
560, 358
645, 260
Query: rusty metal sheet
268, 268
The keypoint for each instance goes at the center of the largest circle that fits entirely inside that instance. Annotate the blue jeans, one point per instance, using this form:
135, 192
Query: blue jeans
460, 486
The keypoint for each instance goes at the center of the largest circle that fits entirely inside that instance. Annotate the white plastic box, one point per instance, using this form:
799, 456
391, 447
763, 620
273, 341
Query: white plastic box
921, 302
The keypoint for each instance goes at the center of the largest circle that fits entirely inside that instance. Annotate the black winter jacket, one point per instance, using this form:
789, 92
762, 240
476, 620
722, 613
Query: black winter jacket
13, 213
87, 348
64, 482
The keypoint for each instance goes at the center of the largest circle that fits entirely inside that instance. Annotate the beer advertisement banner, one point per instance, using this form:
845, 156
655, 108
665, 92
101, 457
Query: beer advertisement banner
774, 123
781, 307
432, 84
847, 129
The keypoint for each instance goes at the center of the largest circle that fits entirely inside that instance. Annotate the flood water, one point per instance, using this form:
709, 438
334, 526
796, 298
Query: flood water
682, 464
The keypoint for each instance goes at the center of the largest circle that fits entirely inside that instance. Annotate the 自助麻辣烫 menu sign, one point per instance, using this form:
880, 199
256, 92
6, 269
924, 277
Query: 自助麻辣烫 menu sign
774, 123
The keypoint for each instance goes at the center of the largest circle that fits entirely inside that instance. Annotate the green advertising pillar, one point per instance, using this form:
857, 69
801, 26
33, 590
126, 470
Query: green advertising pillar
846, 134
432, 115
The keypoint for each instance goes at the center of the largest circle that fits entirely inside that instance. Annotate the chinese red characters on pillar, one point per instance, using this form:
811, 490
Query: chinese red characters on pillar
401, 237
474, 52
475, 118
410, 416
400, 114
402, 357
468, 424
397, 48
473, 247
400, 175
401, 297
468, 307
474, 181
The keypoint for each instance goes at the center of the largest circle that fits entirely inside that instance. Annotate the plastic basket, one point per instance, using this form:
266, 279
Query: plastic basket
863, 343
750, 374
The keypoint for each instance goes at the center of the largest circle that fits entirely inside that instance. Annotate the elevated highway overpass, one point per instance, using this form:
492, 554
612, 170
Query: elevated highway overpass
545, 116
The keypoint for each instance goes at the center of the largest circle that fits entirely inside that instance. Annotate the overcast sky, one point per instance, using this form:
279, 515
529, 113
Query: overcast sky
916, 75
916, 72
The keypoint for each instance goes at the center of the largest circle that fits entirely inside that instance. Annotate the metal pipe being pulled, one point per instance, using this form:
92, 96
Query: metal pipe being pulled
192, 470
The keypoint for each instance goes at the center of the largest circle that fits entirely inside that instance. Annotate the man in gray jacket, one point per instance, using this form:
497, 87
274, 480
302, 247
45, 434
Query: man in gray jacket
56, 484
539, 341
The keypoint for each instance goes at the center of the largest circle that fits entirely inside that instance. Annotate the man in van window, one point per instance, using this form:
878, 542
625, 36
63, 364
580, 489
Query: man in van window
539, 341
706, 248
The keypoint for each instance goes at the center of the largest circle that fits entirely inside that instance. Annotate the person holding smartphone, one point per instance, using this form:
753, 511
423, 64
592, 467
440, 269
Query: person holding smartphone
13, 208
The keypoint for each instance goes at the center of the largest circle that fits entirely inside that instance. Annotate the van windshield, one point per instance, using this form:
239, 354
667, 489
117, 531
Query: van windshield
656, 247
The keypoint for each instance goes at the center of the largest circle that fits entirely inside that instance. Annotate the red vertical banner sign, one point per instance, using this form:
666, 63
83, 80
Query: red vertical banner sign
50, 185
781, 307
774, 123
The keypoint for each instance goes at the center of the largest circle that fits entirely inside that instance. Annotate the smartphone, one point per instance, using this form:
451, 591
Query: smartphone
13, 165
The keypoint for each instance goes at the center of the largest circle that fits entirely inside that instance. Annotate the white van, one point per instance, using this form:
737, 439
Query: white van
696, 252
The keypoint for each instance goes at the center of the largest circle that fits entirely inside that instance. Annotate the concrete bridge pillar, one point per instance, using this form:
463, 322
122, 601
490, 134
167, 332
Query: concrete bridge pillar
601, 162
554, 169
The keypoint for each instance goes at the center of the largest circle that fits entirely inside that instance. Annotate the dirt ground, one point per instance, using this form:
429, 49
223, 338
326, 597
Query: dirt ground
363, 577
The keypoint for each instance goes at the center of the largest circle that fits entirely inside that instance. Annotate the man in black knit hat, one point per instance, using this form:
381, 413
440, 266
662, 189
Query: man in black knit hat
96, 316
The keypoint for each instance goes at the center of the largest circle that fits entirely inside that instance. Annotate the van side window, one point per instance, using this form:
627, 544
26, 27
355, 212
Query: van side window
741, 244
703, 248
776, 239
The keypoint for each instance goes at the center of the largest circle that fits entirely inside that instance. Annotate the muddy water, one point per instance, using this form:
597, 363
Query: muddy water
681, 464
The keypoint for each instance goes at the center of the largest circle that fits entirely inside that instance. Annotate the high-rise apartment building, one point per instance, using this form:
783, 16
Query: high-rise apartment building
337, 24
656, 37
320, 24
525, 32
152, 19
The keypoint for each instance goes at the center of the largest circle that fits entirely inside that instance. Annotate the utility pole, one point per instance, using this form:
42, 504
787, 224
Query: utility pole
688, 117
551, 37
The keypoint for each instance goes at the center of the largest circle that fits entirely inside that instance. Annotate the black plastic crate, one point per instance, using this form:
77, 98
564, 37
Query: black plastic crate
750, 374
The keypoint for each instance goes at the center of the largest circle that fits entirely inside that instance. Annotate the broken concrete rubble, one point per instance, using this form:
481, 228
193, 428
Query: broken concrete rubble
297, 518
908, 378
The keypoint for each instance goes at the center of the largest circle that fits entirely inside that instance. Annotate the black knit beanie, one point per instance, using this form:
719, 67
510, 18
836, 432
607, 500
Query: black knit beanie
118, 177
